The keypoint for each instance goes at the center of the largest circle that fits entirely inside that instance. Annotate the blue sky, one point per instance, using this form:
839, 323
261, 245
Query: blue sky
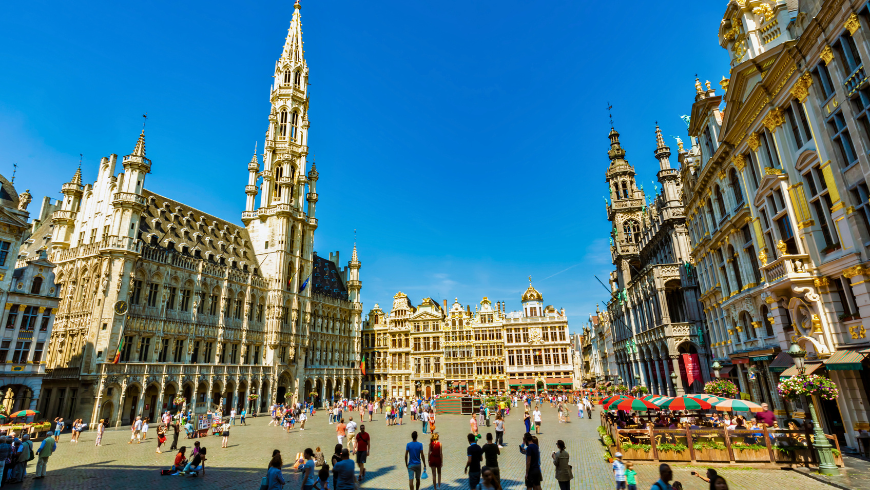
464, 141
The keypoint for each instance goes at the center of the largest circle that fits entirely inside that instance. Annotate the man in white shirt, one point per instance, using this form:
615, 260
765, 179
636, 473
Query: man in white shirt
137, 431
351, 436
233, 416
424, 417
537, 415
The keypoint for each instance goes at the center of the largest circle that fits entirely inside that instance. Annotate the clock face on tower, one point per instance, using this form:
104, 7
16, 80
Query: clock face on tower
120, 307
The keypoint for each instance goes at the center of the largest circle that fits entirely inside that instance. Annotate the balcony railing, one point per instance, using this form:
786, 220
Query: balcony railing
787, 267
855, 80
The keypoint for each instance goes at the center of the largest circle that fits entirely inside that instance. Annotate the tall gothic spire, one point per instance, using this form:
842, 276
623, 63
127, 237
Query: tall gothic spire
293, 44
662, 151
139, 150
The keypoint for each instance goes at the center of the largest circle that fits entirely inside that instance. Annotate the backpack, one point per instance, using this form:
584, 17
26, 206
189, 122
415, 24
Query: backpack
32, 454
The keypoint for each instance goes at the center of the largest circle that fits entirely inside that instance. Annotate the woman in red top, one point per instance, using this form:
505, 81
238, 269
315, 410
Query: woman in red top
435, 460
180, 460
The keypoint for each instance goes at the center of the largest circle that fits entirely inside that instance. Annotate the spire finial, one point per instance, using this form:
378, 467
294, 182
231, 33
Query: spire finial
530, 280
297, 6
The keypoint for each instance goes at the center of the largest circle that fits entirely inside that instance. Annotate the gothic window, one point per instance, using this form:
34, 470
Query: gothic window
294, 124
297, 78
630, 230
282, 124
720, 201
735, 265
735, 187
287, 77
624, 190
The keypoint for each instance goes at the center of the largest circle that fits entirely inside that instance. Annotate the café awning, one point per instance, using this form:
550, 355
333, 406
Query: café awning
844, 360
782, 362
793, 371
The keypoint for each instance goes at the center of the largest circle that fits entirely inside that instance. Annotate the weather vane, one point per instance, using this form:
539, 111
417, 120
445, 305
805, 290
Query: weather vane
144, 120
610, 113
14, 169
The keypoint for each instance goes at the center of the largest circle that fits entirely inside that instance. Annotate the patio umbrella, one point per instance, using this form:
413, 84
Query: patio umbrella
732, 405
24, 413
610, 399
649, 397
631, 404
658, 401
685, 403
711, 399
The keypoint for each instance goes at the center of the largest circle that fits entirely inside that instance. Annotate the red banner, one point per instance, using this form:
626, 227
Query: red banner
693, 368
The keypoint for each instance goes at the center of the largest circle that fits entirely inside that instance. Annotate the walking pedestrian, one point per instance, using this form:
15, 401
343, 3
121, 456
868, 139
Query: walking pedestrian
58, 428
537, 415
424, 417
619, 472
436, 460
343, 472
144, 429
341, 431
491, 452
5, 452
225, 433
588, 405
274, 477
488, 480
136, 430
561, 460
665, 476
25, 451
533, 463
630, 476
415, 461
472, 464
244, 413
175, 430
473, 423
45, 450
499, 430
309, 478
100, 429
363, 449
527, 419
351, 433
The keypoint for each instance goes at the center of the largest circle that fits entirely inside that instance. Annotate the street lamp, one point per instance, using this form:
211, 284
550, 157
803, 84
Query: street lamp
637, 380
823, 447
674, 382
716, 368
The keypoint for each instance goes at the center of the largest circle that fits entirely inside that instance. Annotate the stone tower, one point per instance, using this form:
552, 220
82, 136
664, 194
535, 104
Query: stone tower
281, 230
627, 203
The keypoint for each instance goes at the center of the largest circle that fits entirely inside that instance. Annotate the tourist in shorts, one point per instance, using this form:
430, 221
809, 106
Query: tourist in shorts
415, 461
363, 449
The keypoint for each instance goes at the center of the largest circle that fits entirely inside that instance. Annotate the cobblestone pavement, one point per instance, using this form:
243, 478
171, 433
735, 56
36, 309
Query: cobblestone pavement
118, 465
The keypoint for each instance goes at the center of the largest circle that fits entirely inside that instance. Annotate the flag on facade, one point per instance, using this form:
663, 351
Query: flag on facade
362, 366
302, 288
118, 354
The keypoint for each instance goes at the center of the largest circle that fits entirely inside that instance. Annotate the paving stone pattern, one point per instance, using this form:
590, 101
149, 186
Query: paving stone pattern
118, 465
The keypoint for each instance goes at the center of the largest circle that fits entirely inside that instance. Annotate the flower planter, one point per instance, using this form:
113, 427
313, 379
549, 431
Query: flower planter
713, 455
751, 455
636, 454
675, 456
794, 456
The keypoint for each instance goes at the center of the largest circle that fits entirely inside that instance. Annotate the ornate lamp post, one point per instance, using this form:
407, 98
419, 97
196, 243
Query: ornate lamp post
823, 447
637, 380
716, 367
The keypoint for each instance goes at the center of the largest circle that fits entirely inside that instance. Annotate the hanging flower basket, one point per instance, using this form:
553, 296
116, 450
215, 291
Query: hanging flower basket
721, 388
253, 397
313, 393
640, 390
808, 385
178, 400
365, 392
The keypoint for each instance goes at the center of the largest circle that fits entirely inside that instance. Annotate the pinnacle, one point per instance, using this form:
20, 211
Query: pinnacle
353, 257
139, 150
77, 177
660, 141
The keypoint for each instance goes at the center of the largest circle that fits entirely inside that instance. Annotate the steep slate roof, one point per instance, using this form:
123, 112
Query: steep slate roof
327, 279
184, 226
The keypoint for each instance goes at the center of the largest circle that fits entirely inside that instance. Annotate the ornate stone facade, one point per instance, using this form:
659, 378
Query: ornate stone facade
162, 301
653, 314
776, 193
430, 349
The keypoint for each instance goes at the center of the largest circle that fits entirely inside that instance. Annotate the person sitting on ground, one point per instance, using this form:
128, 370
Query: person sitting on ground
196, 463
180, 460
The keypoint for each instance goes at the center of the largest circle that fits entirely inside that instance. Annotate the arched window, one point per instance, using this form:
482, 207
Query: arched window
297, 78
746, 323
735, 187
720, 201
735, 265
282, 124
287, 77
279, 172
36, 286
624, 190
294, 123
630, 230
